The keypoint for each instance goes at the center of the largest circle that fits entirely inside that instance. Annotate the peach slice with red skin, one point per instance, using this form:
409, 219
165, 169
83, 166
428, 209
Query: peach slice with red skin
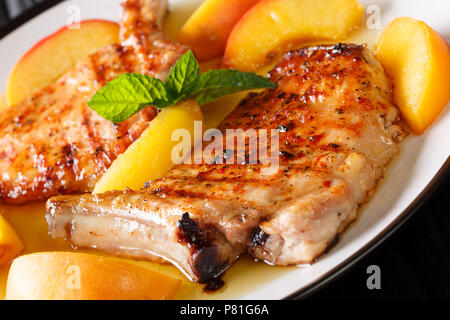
208, 28
52, 56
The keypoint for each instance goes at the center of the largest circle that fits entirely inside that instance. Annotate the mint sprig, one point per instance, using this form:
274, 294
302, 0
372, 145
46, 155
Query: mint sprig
129, 93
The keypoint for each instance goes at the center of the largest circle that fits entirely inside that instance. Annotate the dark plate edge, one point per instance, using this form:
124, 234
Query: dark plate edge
347, 264
350, 262
27, 16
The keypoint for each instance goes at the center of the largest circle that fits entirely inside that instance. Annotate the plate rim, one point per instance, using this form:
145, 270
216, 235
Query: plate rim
29, 14
345, 266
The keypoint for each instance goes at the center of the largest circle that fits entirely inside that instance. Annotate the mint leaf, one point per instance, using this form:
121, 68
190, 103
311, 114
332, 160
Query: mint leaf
126, 95
214, 84
184, 76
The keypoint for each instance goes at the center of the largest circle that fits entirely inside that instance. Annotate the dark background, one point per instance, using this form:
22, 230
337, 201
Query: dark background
414, 261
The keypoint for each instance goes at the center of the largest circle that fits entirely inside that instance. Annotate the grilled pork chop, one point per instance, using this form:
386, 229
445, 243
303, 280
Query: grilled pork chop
53, 143
338, 129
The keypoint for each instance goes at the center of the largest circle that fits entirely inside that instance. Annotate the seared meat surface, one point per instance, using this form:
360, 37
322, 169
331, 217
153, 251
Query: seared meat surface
53, 143
338, 129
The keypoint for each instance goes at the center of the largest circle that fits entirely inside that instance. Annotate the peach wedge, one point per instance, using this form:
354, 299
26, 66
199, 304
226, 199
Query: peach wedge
208, 28
10, 243
150, 157
81, 276
417, 59
275, 26
52, 56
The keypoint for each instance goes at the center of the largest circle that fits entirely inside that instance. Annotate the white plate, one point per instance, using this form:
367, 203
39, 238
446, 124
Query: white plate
410, 178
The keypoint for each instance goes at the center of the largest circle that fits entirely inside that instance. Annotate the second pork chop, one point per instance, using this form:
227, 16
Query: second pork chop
53, 143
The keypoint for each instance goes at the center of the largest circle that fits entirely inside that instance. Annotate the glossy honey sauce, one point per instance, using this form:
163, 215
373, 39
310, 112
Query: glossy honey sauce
243, 277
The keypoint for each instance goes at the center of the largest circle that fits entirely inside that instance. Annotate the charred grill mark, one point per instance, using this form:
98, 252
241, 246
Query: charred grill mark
191, 233
155, 191
99, 150
287, 127
346, 49
314, 139
330, 146
290, 98
93, 140
214, 285
99, 69
100, 73
281, 95
207, 262
19, 120
287, 155
68, 152
258, 237
339, 48
208, 265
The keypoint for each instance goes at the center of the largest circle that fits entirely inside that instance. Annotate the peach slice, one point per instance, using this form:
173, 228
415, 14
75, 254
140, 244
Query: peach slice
81, 276
275, 26
150, 157
208, 28
10, 243
53, 55
417, 59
